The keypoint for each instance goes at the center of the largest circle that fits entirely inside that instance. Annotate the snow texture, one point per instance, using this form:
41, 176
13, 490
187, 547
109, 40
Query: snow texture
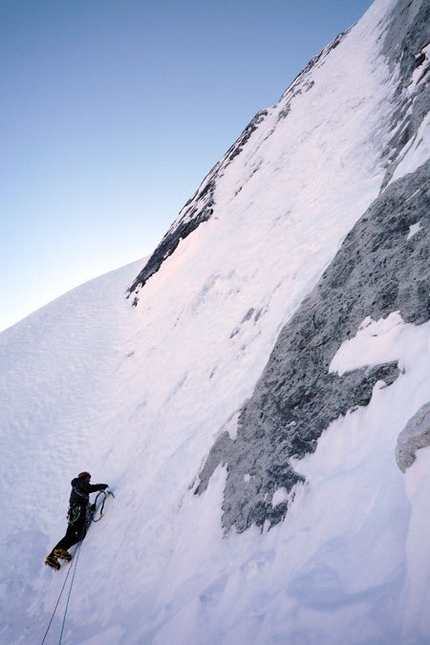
278, 346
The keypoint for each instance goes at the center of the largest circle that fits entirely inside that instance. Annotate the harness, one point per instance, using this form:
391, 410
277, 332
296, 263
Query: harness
77, 509
75, 513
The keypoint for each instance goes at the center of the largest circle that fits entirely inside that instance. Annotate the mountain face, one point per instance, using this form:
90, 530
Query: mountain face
405, 49
258, 397
376, 271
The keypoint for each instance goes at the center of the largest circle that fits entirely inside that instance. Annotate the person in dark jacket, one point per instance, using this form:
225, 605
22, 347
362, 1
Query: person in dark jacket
78, 516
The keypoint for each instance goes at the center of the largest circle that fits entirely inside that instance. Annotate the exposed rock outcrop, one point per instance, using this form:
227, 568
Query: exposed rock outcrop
415, 435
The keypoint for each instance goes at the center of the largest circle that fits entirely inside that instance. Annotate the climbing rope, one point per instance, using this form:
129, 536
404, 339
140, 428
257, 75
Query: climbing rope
70, 590
62, 589
75, 564
56, 606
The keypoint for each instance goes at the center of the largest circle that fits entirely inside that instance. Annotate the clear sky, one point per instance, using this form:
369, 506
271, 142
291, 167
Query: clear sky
112, 112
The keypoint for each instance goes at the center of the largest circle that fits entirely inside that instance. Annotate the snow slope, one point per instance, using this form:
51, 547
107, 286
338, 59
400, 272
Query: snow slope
138, 396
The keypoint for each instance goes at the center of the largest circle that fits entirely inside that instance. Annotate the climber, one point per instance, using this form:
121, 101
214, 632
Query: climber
78, 518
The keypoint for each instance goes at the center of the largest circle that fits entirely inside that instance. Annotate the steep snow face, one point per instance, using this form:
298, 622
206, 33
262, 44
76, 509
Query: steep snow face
139, 395
378, 271
293, 159
406, 49
281, 154
57, 394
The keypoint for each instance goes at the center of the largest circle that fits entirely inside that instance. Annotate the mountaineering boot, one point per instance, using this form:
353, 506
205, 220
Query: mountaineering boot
62, 554
52, 562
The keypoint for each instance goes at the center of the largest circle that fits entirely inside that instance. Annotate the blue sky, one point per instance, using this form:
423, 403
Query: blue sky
111, 114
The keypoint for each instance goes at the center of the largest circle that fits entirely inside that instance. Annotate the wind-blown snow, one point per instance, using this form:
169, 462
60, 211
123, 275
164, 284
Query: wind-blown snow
137, 396
376, 342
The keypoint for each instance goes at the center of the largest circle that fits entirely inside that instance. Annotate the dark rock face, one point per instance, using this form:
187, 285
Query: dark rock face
379, 269
407, 36
408, 33
197, 210
414, 436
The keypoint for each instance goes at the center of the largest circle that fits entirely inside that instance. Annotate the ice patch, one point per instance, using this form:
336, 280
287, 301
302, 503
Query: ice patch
413, 230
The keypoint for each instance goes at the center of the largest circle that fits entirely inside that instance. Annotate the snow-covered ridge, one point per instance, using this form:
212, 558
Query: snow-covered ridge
255, 139
405, 38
